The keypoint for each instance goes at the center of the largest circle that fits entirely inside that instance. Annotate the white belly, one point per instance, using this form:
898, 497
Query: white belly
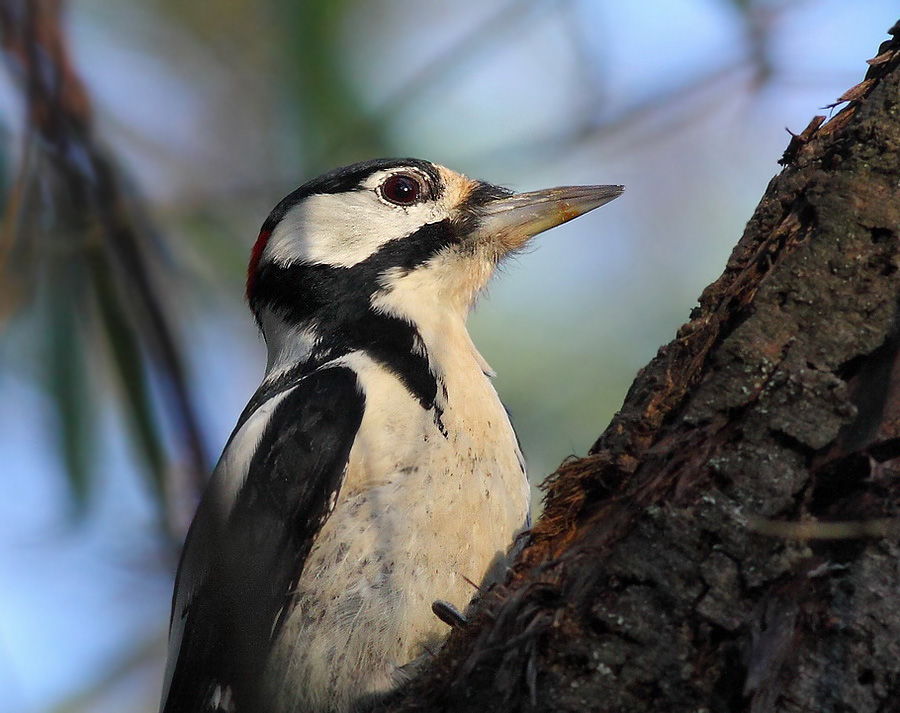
421, 514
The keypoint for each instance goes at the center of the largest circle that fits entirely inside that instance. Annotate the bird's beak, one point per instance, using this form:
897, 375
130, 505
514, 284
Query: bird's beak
510, 221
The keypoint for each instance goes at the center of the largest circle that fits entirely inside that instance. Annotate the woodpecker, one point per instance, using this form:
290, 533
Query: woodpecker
375, 470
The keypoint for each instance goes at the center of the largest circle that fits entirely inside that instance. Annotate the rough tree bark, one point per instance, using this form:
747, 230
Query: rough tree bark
730, 542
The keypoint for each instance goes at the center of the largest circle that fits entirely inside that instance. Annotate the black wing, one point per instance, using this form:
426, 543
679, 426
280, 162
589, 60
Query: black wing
252, 553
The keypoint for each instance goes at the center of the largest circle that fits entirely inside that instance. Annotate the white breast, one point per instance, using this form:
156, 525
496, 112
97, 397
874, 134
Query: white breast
420, 515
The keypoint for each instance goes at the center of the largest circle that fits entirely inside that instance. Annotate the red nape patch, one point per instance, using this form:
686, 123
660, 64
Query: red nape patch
255, 257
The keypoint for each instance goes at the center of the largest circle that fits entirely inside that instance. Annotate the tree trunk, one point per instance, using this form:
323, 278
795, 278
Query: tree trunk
730, 543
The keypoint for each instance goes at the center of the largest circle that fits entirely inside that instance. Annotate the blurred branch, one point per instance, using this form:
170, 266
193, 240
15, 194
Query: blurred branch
488, 35
99, 260
667, 110
336, 127
328, 101
644, 120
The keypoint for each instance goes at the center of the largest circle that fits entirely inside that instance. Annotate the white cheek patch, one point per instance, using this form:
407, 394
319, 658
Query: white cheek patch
343, 229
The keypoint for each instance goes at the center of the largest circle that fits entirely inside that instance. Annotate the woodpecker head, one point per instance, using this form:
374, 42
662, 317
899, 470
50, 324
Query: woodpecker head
402, 239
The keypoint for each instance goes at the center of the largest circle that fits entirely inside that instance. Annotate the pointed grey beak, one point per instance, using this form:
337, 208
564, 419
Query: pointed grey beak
511, 221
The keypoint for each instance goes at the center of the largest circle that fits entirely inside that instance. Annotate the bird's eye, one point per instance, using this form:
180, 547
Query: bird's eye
401, 189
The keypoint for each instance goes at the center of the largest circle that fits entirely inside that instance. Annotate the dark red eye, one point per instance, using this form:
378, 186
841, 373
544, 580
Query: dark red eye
401, 189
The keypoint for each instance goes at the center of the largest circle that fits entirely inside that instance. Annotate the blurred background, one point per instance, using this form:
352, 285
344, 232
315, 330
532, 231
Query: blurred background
143, 142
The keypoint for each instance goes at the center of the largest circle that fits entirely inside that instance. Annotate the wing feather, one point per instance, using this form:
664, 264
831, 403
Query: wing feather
244, 553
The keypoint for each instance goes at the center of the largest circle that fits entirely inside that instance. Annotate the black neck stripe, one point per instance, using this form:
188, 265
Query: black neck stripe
300, 290
337, 303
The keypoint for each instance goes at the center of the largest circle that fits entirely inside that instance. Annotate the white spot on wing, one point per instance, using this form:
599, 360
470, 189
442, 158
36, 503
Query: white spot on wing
221, 700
